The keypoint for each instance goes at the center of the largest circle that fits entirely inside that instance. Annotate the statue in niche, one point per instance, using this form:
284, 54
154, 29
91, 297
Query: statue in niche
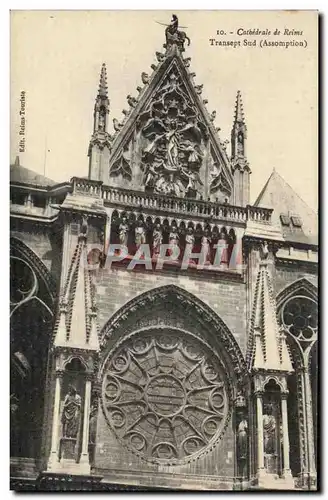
174, 241
71, 416
123, 232
102, 122
93, 422
240, 143
190, 241
270, 439
242, 439
206, 247
223, 244
157, 239
140, 234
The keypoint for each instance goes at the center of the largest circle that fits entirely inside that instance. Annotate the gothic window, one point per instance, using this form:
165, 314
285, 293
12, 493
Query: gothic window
165, 396
30, 324
300, 317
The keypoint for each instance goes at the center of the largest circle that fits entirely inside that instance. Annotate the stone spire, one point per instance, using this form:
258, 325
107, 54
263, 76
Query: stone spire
103, 89
77, 325
239, 163
267, 348
239, 111
100, 143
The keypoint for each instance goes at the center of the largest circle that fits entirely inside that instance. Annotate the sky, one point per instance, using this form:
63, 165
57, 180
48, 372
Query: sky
56, 58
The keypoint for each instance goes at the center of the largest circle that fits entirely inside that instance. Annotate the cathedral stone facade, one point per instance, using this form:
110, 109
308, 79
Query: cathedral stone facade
163, 329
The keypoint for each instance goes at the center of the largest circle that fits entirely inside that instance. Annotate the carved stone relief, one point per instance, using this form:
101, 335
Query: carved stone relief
165, 396
122, 166
174, 137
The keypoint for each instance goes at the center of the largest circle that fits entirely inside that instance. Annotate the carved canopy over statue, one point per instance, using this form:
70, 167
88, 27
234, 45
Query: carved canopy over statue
174, 141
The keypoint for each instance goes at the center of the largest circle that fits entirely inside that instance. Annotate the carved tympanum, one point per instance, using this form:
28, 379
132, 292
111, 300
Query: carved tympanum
165, 396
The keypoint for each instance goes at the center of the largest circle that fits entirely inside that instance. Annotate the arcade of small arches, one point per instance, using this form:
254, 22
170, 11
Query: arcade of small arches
132, 230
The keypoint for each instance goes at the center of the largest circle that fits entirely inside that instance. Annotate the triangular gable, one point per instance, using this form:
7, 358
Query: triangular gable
267, 347
201, 165
76, 324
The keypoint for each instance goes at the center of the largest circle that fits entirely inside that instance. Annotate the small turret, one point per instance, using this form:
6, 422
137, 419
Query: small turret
99, 147
239, 163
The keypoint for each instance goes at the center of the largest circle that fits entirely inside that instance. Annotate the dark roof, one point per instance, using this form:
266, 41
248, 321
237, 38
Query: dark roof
280, 196
23, 175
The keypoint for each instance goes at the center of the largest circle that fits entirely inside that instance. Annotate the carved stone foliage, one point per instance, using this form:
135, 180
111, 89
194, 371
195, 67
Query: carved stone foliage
165, 396
218, 182
173, 141
122, 166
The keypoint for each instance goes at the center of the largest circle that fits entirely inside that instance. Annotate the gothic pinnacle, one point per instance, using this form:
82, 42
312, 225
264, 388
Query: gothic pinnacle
239, 111
103, 90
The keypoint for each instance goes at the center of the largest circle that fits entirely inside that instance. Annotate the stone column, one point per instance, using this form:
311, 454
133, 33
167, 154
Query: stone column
108, 225
53, 459
85, 433
260, 437
309, 421
285, 435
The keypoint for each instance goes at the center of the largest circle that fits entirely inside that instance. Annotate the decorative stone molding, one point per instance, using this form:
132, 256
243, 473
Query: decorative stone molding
210, 321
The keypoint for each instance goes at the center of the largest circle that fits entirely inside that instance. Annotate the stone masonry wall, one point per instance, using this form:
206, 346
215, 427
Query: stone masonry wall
115, 287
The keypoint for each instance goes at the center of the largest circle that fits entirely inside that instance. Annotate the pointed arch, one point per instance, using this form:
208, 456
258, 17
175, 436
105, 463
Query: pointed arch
301, 427
19, 249
185, 367
186, 309
32, 303
301, 286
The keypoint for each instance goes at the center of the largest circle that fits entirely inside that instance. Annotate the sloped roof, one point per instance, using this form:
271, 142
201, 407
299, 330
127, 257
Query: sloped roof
267, 348
20, 174
76, 325
280, 196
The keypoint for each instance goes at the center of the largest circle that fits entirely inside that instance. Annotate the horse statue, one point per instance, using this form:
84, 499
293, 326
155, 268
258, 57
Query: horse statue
174, 36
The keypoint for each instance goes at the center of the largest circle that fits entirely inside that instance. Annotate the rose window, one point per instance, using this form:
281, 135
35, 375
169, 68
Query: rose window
164, 396
300, 317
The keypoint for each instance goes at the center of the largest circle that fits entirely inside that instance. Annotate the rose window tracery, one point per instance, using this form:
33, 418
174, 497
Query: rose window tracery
165, 396
300, 317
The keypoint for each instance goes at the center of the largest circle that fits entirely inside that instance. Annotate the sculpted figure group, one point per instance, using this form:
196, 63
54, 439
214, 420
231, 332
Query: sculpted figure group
183, 241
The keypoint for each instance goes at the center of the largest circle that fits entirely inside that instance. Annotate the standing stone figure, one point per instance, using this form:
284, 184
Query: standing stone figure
123, 232
190, 241
206, 247
174, 240
270, 440
242, 440
140, 236
71, 416
157, 240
